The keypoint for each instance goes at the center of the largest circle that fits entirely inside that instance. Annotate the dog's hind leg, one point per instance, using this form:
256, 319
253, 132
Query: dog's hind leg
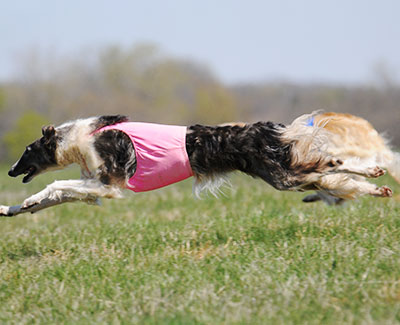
59, 192
312, 198
344, 187
323, 196
357, 167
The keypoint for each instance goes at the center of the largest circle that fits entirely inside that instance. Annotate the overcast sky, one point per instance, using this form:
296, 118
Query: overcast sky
299, 40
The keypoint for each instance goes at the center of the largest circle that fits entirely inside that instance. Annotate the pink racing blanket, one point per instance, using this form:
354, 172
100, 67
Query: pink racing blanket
161, 157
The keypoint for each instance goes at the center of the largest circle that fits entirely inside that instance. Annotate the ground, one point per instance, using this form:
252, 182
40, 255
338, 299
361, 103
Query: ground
254, 256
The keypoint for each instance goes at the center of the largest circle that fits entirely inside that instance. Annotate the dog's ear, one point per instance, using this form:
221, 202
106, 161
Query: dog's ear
48, 131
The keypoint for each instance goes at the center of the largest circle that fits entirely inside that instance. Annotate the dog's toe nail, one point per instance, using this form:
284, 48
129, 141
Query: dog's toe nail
27, 204
378, 171
386, 191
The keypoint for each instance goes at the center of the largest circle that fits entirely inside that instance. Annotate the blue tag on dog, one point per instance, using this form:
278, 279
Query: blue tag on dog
310, 121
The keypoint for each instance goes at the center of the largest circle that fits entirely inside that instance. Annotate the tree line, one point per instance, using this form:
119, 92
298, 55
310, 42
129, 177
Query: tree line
147, 85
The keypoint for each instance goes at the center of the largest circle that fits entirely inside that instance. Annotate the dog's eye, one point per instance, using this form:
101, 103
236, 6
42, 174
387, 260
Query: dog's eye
28, 148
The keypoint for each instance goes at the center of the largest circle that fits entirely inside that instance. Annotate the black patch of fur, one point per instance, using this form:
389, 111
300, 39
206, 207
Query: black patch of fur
106, 120
40, 154
44, 150
49, 143
116, 150
48, 131
255, 149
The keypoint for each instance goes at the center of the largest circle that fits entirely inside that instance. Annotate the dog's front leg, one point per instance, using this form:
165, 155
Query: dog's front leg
77, 190
361, 168
11, 211
61, 192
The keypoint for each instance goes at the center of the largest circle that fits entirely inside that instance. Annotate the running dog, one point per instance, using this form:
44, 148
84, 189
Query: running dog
351, 136
115, 154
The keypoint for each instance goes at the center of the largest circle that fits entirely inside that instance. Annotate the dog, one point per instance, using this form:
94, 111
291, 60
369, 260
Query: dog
116, 154
352, 137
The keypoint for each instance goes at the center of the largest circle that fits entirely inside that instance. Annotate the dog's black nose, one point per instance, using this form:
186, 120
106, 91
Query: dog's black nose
11, 172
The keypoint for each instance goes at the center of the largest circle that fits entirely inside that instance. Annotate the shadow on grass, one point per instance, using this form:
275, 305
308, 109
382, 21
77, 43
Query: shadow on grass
25, 252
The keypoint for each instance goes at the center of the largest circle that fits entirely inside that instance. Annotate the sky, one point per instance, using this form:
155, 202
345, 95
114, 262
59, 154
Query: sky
241, 41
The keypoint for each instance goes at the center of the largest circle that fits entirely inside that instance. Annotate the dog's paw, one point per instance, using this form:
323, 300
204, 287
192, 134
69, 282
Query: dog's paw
4, 211
385, 191
375, 172
311, 198
30, 202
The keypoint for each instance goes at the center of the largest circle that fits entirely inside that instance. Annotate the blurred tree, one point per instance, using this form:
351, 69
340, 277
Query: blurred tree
146, 84
2, 99
121, 70
26, 130
384, 75
214, 104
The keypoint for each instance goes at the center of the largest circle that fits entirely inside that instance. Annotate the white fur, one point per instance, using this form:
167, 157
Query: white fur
394, 166
78, 146
211, 184
82, 190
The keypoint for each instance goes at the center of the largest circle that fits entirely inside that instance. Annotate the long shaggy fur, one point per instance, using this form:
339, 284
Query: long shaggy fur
352, 138
295, 157
284, 157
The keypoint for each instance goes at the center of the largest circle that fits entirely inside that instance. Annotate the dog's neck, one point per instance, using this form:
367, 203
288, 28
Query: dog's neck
77, 147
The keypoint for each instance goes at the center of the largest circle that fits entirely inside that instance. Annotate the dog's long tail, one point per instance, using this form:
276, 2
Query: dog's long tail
394, 166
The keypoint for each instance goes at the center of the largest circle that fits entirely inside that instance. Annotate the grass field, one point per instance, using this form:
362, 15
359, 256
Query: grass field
253, 256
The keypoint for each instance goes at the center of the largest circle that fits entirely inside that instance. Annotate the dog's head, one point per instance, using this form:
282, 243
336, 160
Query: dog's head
37, 157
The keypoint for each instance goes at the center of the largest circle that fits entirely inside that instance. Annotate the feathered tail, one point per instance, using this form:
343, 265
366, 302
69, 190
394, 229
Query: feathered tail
394, 166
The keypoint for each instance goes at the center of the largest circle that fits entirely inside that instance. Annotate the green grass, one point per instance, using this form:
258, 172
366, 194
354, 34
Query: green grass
253, 256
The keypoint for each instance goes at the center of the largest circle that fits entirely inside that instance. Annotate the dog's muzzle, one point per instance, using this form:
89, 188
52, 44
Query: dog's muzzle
30, 171
12, 172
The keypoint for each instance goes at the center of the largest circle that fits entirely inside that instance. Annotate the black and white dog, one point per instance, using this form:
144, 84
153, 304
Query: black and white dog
287, 157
